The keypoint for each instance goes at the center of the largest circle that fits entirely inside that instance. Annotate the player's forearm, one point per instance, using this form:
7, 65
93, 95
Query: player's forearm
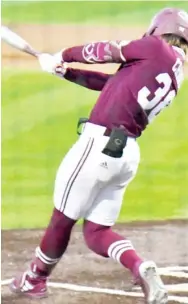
98, 52
89, 79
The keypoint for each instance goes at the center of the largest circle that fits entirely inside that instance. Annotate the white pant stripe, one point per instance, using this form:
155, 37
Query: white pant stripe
75, 174
113, 245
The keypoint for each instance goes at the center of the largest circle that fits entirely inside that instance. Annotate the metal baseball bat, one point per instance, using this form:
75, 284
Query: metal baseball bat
18, 42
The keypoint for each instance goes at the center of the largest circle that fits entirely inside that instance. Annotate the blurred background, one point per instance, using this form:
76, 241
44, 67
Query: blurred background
40, 113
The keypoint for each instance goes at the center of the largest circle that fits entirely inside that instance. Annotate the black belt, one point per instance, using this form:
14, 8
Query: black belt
107, 132
84, 120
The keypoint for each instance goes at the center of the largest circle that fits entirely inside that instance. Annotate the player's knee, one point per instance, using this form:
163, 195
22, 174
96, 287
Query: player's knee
60, 220
94, 235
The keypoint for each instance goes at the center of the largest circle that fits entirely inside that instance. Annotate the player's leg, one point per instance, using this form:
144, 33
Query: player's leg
98, 232
75, 188
105, 211
54, 242
101, 239
105, 242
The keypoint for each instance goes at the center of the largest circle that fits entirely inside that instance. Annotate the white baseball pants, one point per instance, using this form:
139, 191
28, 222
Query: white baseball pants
90, 184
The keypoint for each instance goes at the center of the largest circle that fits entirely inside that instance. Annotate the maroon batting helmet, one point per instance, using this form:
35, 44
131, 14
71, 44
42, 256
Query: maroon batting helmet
169, 21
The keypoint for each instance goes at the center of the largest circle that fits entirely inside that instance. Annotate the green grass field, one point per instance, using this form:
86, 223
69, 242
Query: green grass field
84, 11
39, 117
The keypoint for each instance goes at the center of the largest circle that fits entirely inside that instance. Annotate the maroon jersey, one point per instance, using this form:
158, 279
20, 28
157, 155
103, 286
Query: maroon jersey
146, 82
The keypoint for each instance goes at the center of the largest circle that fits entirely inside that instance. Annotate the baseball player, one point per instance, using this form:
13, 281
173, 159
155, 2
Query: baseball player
93, 176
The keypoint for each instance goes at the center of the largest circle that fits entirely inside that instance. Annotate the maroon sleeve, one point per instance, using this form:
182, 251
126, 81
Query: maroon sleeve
89, 79
95, 52
141, 48
112, 51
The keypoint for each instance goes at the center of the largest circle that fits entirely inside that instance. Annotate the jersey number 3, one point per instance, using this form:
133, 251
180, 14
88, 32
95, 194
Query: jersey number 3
163, 96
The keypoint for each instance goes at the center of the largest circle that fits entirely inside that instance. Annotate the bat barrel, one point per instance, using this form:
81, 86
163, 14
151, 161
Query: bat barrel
17, 41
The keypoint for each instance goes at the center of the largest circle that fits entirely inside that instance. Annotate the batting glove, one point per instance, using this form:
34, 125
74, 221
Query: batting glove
52, 64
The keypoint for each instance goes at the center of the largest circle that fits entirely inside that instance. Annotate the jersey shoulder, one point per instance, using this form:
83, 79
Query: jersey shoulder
159, 48
165, 54
170, 53
153, 44
148, 47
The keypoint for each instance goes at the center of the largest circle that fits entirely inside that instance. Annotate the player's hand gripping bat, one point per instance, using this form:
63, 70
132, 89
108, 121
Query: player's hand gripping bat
16, 41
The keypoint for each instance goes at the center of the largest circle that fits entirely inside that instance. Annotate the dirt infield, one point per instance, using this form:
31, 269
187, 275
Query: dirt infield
166, 243
52, 38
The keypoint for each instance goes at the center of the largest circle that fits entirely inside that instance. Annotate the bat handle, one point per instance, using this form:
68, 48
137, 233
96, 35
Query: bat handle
32, 52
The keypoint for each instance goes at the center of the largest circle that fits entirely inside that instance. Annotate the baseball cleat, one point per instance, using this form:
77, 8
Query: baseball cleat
151, 283
29, 285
